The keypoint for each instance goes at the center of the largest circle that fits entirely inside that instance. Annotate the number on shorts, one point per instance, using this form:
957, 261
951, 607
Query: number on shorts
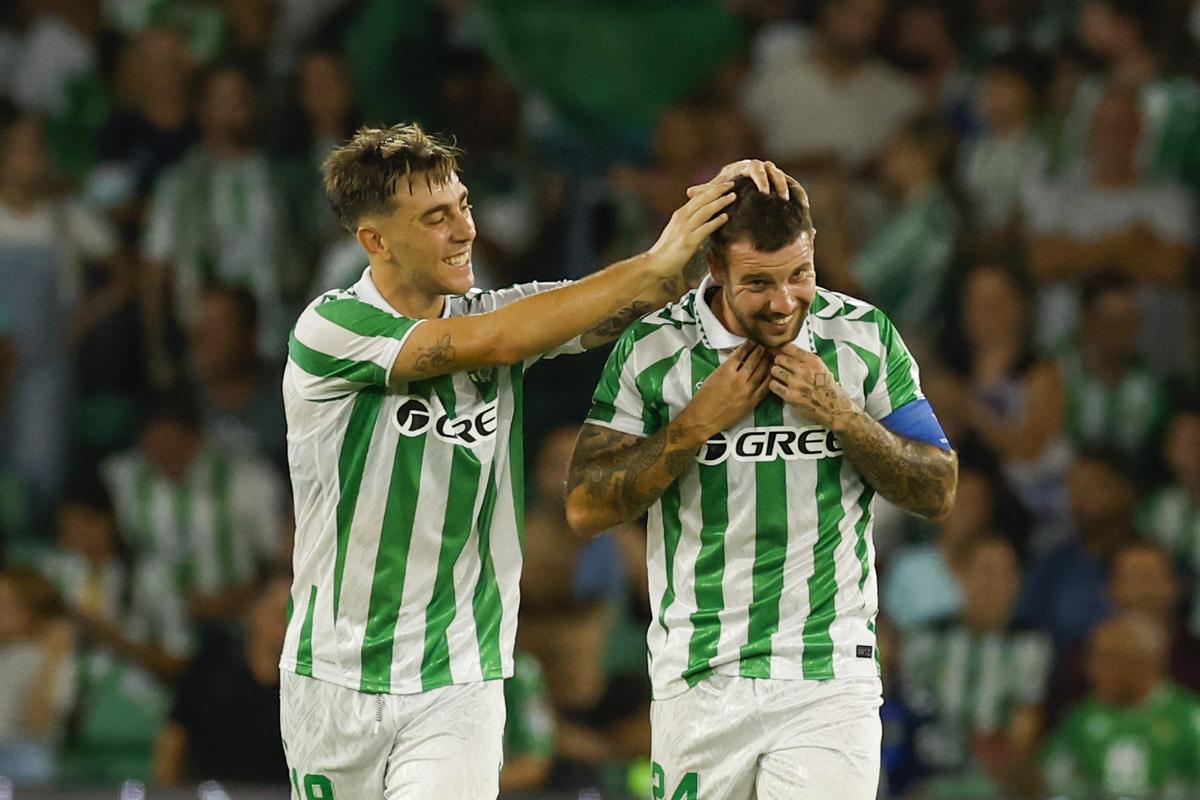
688, 788
317, 787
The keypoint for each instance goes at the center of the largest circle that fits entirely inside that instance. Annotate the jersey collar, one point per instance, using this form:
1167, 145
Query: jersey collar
368, 292
721, 338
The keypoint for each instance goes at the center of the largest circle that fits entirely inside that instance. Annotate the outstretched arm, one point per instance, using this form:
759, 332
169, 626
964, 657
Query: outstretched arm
614, 476
920, 478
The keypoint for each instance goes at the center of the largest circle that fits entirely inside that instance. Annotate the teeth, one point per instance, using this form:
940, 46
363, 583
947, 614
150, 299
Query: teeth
459, 260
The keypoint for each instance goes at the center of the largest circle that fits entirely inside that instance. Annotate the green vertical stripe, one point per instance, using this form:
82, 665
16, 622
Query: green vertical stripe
185, 566
900, 386
486, 601
770, 550
605, 397
226, 565
304, 656
710, 562
465, 470
352, 460
391, 562
817, 661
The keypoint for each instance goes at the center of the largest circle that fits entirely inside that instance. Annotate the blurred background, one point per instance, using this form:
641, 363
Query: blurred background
1013, 181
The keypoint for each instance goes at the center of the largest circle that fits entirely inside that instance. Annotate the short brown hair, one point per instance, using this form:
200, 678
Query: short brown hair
767, 220
361, 176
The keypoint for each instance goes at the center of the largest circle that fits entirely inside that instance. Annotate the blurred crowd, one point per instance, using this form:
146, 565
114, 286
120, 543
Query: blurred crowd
1015, 182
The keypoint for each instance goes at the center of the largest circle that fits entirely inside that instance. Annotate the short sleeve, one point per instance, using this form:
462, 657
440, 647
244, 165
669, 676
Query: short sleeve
341, 345
617, 403
898, 381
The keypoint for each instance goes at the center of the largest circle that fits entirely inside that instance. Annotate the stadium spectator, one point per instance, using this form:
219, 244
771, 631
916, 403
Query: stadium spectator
1143, 581
1066, 591
1109, 217
133, 640
237, 391
1171, 515
1127, 38
217, 215
924, 42
922, 583
1002, 393
904, 267
569, 589
528, 727
1111, 399
224, 719
47, 240
1138, 733
978, 680
209, 517
325, 117
36, 643
153, 124
999, 158
834, 103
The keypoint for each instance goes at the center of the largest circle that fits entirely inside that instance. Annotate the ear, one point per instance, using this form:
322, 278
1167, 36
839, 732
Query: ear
371, 240
716, 267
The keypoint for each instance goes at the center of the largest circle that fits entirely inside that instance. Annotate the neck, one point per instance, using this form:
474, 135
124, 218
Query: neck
980, 622
1114, 176
1137, 67
721, 312
234, 389
402, 294
1010, 129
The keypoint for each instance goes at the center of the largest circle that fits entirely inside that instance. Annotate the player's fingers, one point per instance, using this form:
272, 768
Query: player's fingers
775, 387
738, 356
778, 179
702, 193
758, 173
755, 358
711, 205
705, 230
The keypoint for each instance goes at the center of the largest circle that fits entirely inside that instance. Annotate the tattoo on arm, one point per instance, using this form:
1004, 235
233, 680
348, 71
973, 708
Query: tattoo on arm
621, 475
918, 477
436, 356
612, 327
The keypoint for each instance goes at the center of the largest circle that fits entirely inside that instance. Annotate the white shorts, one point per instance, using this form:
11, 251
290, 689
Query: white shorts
444, 743
734, 738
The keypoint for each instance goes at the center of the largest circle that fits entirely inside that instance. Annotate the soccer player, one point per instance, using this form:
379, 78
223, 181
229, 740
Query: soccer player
756, 419
403, 402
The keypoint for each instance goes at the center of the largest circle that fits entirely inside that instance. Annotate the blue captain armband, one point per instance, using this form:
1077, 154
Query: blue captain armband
915, 420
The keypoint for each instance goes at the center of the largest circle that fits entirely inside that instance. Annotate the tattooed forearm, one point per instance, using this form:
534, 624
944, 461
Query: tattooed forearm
612, 327
436, 356
615, 477
918, 477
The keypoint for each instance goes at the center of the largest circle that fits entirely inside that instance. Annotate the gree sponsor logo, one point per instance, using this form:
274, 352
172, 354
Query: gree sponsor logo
415, 415
770, 443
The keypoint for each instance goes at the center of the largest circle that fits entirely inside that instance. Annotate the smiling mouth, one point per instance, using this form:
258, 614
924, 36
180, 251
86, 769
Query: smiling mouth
458, 261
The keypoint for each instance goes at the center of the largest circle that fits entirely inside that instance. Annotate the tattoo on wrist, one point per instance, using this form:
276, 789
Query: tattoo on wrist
436, 356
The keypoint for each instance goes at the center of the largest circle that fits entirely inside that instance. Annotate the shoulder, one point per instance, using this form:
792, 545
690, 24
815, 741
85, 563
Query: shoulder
836, 315
676, 322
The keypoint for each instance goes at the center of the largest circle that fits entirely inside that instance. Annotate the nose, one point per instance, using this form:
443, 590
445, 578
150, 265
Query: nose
782, 301
464, 227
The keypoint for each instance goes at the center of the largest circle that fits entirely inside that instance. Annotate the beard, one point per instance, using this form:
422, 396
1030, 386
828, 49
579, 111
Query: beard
758, 326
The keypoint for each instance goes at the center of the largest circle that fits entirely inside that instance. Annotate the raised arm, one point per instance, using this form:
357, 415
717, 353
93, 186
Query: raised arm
543, 321
614, 477
921, 478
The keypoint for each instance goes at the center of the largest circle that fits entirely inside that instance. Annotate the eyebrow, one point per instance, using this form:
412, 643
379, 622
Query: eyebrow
444, 208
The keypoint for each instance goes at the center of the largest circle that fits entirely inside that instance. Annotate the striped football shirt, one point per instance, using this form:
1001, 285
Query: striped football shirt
409, 501
760, 555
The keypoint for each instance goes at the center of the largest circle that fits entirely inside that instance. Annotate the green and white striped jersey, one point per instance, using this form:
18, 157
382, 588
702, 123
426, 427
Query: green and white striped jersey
968, 684
760, 554
409, 501
213, 529
1126, 417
